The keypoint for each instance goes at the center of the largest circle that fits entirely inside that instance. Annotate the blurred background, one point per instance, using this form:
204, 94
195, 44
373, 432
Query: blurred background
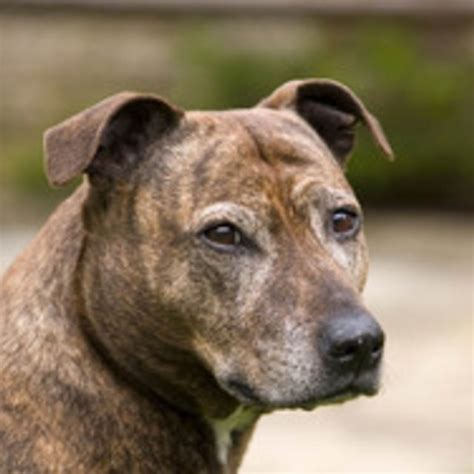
413, 65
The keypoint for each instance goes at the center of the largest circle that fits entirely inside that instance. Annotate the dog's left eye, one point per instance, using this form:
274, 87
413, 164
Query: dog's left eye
223, 236
345, 223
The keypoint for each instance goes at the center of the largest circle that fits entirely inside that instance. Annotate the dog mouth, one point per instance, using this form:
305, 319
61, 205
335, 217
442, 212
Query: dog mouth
243, 392
248, 396
335, 398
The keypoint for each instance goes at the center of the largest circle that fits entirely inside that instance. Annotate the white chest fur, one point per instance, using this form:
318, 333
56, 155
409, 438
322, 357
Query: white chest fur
239, 420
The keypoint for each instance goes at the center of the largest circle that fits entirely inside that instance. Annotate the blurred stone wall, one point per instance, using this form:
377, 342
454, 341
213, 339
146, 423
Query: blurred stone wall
416, 77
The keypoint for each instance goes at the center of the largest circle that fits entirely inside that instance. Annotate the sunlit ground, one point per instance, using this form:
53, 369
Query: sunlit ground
420, 288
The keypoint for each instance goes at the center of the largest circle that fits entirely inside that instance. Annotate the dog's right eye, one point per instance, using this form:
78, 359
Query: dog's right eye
223, 236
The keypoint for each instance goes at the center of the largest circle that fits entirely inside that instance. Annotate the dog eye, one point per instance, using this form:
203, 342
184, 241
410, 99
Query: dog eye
345, 223
224, 236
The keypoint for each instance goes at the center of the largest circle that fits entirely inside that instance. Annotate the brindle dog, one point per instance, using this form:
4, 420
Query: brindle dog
206, 271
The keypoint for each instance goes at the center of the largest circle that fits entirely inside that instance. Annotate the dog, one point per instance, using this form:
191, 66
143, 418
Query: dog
208, 270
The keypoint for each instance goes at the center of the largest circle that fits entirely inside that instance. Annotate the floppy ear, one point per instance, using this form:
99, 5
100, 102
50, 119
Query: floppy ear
332, 109
107, 139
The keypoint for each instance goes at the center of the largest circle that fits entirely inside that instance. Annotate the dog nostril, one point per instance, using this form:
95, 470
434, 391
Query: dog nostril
377, 346
347, 350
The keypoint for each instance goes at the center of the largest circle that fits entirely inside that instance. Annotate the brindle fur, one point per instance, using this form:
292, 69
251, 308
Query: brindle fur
118, 325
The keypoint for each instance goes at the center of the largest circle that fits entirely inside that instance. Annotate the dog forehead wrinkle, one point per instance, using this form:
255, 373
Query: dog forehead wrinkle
261, 121
201, 168
281, 142
282, 139
315, 189
216, 168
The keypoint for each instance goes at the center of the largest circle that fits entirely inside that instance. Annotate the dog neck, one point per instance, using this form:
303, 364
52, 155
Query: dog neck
44, 272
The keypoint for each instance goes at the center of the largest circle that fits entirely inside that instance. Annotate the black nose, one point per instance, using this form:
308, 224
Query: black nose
353, 341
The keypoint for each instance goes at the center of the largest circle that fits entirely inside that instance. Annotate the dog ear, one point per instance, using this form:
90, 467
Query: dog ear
106, 140
332, 109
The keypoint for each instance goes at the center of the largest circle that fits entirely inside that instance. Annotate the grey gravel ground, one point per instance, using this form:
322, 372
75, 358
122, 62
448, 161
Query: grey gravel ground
421, 288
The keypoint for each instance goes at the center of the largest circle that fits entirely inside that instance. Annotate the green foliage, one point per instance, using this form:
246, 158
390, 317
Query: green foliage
23, 171
21, 166
424, 100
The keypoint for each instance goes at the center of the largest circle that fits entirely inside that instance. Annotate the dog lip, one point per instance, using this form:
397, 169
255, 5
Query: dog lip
247, 395
340, 396
332, 399
242, 391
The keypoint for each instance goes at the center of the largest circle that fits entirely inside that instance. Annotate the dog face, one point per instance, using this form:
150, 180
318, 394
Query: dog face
224, 253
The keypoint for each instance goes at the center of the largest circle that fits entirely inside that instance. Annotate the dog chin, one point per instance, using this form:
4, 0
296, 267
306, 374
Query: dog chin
248, 396
334, 399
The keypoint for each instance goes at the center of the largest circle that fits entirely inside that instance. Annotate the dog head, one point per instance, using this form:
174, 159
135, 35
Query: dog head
224, 251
